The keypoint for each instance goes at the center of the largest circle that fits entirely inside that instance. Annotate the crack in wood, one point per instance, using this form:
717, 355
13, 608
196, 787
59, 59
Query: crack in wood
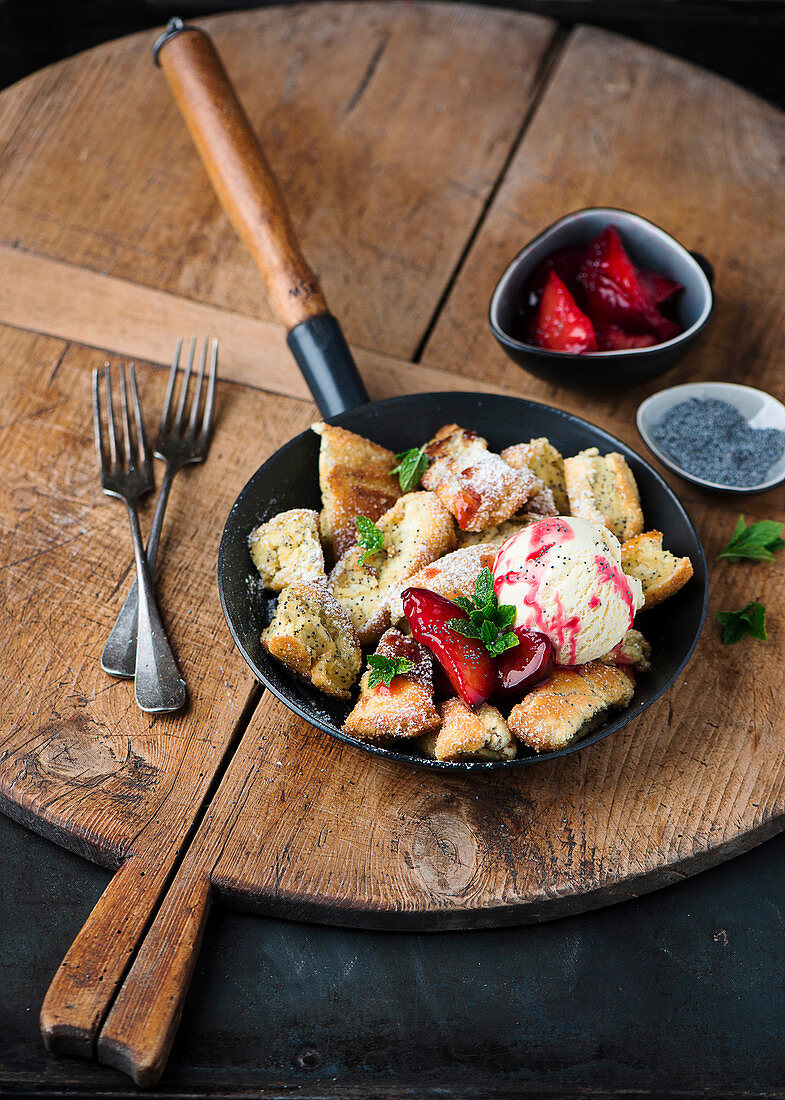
540, 82
367, 76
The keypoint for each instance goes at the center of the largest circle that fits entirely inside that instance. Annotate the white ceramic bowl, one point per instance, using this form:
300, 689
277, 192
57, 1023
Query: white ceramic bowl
759, 409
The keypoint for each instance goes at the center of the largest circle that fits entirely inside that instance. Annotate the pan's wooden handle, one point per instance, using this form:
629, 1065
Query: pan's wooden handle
240, 174
249, 194
140, 1028
90, 974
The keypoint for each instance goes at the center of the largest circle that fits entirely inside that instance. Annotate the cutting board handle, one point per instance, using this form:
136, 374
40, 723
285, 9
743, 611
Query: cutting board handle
89, 976
140, 1028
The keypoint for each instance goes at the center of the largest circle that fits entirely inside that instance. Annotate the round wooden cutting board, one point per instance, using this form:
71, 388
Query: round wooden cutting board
419, 146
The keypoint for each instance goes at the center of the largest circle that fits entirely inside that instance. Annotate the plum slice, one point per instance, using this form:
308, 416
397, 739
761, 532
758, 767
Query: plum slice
560, 325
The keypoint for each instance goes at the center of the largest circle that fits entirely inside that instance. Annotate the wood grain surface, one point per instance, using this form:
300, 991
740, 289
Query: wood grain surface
78, 306
100, 251
374, 117
420, 146
320, 832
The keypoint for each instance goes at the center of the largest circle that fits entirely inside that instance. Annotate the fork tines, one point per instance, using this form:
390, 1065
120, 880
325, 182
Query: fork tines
174, 423
136, 454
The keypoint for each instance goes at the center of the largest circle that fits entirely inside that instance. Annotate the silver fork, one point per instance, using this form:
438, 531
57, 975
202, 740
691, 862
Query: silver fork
159, 685
179, 444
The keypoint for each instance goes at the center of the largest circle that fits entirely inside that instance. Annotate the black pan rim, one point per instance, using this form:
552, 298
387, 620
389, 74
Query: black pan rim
625, 716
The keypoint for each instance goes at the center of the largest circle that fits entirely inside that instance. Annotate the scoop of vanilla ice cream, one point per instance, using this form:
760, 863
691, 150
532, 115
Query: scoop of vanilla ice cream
564, 577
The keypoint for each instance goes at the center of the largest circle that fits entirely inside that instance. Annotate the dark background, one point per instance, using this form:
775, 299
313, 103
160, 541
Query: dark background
742, 39
678, 994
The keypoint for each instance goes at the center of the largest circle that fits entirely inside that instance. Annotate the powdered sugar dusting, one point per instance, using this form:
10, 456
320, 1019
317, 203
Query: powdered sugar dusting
476, 485
453, 575
394, 644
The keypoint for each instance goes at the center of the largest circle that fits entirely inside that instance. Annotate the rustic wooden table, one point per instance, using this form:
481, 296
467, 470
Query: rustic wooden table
420, 146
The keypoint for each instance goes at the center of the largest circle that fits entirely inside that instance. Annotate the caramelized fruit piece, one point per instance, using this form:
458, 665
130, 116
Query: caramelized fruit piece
560, 325
566, 262
615, 339
528, 663
468, 664
660, 287
615, 292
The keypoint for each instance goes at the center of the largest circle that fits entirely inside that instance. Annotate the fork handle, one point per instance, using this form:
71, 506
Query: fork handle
119, 655
239, 172
159, 685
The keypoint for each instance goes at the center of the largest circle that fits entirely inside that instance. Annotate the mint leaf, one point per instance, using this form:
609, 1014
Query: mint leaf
382, 669
506, 614
737, 530
464, 604
504, 641
411, 467
758, 542
488, 622
369, 536
750, 619
465, 627
483, 588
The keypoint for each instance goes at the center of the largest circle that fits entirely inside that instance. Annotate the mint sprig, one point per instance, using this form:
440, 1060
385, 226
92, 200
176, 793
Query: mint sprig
411, 466
748, 620
489, 622
758, 542
382, 669
369, 536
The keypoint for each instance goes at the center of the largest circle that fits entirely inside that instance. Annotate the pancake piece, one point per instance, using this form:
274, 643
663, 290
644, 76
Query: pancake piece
468, 734
417, 530
661, 573
453, 575
476, 485
287, 549
403, 710
313, 636
569, 704
355, 480
602, 488
541, 457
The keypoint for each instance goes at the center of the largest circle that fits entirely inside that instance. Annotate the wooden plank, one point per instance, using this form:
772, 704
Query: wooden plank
76, 753
78, 761
94, 152
376, 121
59, 299
624, 125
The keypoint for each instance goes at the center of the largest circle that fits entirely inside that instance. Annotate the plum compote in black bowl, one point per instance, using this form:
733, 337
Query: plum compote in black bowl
684, 312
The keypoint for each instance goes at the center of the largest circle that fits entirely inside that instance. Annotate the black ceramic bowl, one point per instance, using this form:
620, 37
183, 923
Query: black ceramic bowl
649, 247
290, 480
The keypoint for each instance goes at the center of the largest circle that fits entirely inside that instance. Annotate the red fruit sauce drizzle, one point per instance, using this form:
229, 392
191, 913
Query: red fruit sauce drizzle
561, 627
610, 572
